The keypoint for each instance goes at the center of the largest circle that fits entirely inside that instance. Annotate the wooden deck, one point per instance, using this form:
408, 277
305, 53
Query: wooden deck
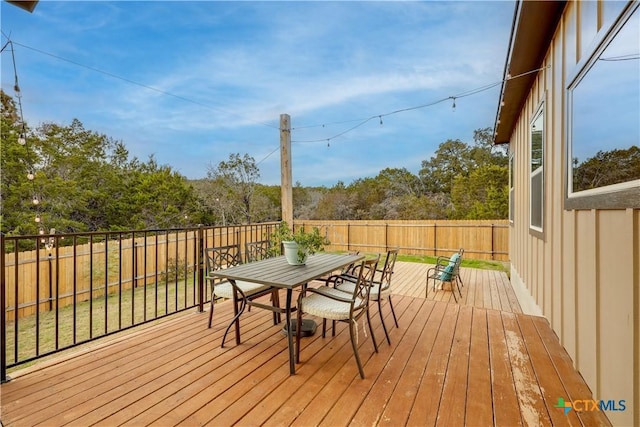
476, 363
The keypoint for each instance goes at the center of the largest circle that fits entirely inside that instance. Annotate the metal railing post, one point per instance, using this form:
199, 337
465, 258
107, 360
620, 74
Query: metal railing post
3, 323
199, 263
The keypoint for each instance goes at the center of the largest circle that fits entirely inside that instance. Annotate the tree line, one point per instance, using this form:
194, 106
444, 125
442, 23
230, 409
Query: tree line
78, 180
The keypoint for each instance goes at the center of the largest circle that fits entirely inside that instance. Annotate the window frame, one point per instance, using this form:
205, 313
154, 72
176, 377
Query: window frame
615, 196
537, 230
512, 200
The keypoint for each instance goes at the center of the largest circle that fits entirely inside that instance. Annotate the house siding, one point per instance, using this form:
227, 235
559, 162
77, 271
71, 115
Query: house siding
582, 274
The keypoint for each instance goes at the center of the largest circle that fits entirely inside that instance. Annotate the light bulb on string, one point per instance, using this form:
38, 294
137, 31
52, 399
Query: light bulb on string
454, 104
35, 200
380, 120
30, 175
21, 139
38, 219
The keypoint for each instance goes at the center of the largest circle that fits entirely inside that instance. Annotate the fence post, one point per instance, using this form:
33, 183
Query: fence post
199, 259
492, 248
3, 323
435, 240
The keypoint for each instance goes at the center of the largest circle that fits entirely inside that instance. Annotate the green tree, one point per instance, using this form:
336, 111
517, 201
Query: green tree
17, 212
236, 180
483, 194
84, 181
451, 159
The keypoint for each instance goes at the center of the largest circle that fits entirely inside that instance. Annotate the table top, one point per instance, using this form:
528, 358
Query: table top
277, 272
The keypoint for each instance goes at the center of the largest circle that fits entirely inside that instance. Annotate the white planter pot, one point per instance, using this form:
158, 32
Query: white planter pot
291, 253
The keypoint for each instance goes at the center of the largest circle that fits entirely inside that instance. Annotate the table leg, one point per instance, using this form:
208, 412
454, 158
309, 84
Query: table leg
292, 362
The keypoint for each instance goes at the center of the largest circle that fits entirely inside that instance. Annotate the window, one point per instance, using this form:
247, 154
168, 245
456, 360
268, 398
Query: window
536, 145
604, 130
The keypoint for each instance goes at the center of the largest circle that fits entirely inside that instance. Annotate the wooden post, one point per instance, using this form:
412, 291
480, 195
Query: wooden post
286, 181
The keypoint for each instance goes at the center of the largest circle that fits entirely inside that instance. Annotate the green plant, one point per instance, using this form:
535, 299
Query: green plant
308, 242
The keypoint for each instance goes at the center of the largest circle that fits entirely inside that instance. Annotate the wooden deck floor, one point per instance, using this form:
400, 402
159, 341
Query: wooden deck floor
448, 364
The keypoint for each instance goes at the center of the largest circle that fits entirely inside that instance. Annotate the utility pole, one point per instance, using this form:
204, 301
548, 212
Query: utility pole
286, 180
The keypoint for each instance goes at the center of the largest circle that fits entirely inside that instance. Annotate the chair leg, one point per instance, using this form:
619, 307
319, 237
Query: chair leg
453, 284
211, 312
275, 301
355, 348
384, 326
458, 286
395, 319
298, 334
236, 318
373, 337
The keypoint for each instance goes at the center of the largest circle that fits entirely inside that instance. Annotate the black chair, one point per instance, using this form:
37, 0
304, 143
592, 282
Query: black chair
381, 286
225, 257
330, 303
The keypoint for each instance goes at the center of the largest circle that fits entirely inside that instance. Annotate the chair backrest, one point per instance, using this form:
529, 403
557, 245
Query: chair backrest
387, 270
255, 251
352, 269
367, 269
456, 260
222, 257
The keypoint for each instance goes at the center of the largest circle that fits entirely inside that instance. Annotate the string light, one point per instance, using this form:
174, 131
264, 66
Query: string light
380, 116
22, 136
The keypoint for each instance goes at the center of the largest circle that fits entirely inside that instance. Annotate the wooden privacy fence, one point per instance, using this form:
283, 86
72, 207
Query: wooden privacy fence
117, 261
487, 240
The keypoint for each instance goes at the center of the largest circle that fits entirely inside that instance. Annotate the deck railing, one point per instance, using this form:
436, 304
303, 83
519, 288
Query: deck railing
63, 290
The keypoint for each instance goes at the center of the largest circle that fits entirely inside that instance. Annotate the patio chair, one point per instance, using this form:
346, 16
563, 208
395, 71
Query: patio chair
330, 303
255, 251
381, 287
446, 270
224, 257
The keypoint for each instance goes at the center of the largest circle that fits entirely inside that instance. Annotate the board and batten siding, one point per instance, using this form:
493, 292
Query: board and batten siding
583, 273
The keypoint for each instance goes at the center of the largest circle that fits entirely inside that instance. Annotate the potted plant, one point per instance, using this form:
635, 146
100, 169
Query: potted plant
297, 245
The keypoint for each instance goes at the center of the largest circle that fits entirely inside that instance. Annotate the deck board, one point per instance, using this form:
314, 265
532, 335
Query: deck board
479, 362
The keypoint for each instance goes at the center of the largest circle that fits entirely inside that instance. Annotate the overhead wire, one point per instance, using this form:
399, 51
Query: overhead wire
402, 110
360, 122
133, 82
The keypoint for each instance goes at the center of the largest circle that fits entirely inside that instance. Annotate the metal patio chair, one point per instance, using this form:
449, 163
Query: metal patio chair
224, 257
255, 251
446, 270
381, 286
330, 303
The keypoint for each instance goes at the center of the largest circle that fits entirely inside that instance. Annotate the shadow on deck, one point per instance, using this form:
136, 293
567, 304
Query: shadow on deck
480, 362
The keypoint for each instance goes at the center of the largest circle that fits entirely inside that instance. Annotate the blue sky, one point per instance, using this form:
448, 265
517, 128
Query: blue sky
192, 82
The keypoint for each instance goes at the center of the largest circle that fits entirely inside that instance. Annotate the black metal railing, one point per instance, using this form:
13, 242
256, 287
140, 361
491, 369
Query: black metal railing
63, 290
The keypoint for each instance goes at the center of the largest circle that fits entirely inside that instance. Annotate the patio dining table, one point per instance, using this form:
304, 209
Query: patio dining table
278, 273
